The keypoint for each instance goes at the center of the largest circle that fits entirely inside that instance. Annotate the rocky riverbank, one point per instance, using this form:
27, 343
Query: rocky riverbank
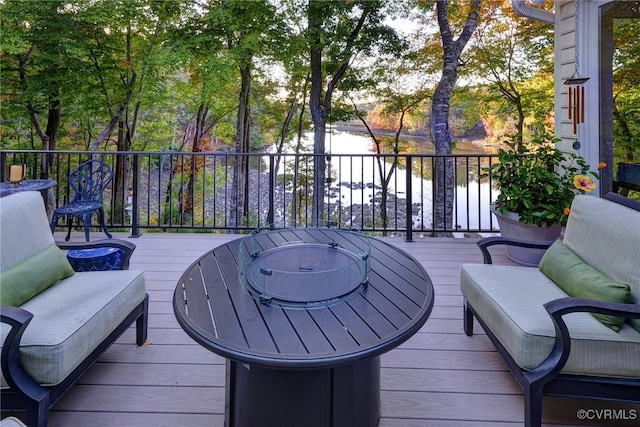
214, 202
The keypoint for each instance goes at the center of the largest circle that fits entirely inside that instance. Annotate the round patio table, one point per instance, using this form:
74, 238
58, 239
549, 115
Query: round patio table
295, 366
7, 187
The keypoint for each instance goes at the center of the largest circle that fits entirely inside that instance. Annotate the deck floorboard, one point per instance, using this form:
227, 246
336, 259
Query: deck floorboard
439, 377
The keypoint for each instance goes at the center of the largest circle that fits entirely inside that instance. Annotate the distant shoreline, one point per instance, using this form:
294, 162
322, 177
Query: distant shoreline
354, 127
359, 128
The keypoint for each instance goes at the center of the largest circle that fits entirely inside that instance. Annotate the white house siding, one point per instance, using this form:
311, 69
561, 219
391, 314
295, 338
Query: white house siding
588, 62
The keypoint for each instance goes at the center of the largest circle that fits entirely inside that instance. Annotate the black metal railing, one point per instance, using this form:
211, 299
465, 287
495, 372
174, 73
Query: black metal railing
198, 191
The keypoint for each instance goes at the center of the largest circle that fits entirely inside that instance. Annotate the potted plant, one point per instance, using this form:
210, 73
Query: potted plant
537, 183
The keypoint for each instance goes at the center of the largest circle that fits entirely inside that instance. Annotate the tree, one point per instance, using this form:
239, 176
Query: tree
247, 28
400, 86
444, 177
38, 66
509, 52
398, 105
123, 43
207, 91
337, 33
35, 64
626, 112
626, 96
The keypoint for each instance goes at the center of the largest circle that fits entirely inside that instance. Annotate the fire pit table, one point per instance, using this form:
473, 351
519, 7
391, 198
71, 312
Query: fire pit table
302, 316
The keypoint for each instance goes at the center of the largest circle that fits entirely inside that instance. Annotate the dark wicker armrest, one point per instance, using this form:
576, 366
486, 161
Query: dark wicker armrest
485, 243
556, 360
15, 374
126, 247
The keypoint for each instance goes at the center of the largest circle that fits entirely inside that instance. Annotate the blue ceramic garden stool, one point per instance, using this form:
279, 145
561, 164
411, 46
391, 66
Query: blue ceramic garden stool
96, 259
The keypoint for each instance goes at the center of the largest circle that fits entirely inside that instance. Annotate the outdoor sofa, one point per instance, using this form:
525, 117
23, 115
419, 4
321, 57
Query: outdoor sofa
56, 322
541, 319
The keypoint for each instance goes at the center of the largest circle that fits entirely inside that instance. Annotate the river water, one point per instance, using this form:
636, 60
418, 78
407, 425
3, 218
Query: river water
356, 181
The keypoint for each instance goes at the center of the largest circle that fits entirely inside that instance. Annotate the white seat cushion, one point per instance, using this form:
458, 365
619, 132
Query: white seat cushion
510, 300
72, 317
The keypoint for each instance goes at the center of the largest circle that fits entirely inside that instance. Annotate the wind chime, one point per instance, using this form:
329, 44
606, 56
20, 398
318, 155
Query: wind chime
576, 86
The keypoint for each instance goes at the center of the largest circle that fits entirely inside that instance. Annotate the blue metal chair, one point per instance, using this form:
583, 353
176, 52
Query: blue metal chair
89, 181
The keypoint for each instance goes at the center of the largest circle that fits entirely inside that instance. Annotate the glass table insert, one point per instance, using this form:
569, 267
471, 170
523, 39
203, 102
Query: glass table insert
301, 272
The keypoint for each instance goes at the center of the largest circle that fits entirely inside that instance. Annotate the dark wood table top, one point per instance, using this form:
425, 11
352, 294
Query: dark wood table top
216, 312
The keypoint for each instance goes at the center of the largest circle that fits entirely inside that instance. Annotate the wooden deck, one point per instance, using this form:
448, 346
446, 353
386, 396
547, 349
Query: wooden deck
440, 377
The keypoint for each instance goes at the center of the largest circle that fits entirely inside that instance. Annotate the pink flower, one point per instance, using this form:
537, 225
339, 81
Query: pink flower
583, 182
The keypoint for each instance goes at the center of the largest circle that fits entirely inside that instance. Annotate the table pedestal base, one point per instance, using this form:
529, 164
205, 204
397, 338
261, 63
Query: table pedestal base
342, 396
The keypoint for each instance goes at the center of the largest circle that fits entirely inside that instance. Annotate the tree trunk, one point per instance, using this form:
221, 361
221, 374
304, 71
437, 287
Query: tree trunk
194, 165
318, 114
50, 142
49, 137
385, 178
120, 173
278, 158
320, 106
122, 169
54, 121
95, 145
295, 192
240, 176
520, 124
444, 175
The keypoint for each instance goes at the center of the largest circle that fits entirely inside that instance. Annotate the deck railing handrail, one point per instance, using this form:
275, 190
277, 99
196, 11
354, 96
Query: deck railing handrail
194, 191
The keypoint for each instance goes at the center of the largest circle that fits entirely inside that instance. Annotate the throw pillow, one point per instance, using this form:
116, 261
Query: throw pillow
27, 279
579, 279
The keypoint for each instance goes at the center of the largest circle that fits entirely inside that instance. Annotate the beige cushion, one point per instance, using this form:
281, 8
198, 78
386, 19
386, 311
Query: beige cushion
510, 300
606, 235
23, 236
72, 318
